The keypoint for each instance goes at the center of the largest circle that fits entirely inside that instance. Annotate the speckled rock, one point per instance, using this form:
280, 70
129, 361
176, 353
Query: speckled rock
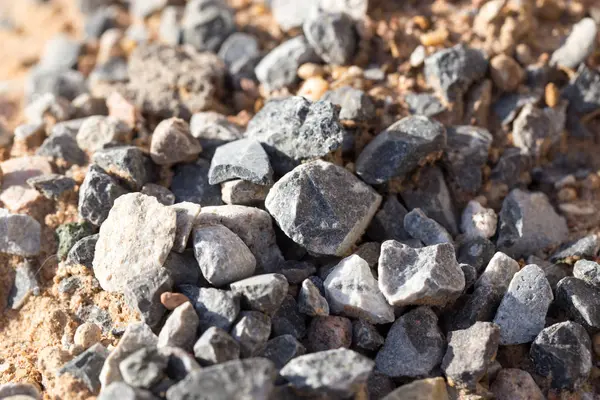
470, 352
414, 345
528, 223
338, 372
20, 234
332, 36
365, 336
144, 368
127, 163
562, 352
452, 71
427, 276
98, 131
241, 53
352, 291
581, 301
97, 195
214, 307
134, 221
425, 229
213, 130
172, 142
263, 293
69, 234
206, 24
223, 257
253, 225
136, 336
52, 186
180, 328
143, 292
293, 129
355, 104
388, 222
522, 312
82, 252
288, 320
328, 333
244, 159
586, 247
343, 218
588, 271
86, 367
216, 346
400, 148
243, 193
278, 68
310, 300
282, 349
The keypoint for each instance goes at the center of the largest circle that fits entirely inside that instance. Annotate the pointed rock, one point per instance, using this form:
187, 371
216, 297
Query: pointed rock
243, 159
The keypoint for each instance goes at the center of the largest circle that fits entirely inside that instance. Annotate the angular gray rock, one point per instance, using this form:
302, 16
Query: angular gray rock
310, 300
278, 68
186, 214
522, 312
578, 46
251, 331
180, 328
263, 293
365, 336
426, 104
144, 368
528, 223
413, 347
581, 301
308, 207
357, 9
142, 293
134, 222
244, 159
244, 193
86, 367
190, 183
498, 273
586, 247
470, 352
83, 251
288, 320
426, 276
400, 148
253, 225
432, 195
588, 271
282, 349
216, 346
172, 142
465, 157
137, 335
452, 71
355, 104
97, 195
214, 307
515, 384
332, 36
338, 373
476, 252
536, 129
62, 147
24, 285
252, 378
223, 257
563, 354
241, 53
427, 230
206, 24
293, 129
52, 186
19, 234
352, 291
127, 163
98, 131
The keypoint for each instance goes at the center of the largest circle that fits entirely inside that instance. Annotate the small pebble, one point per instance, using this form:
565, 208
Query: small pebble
87, 334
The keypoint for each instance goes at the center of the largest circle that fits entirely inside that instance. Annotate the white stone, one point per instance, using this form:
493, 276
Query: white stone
478, 221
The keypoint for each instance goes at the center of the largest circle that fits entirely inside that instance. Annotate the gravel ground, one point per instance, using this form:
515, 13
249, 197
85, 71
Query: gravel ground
282, 199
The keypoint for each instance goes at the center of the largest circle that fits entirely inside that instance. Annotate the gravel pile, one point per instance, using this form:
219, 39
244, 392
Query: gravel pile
279, 229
